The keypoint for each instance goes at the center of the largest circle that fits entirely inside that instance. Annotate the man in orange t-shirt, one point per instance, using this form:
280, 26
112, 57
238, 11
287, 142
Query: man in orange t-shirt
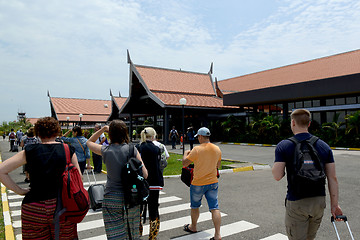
206, 158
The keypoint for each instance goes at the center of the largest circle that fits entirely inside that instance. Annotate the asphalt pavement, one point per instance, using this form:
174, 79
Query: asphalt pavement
252, 203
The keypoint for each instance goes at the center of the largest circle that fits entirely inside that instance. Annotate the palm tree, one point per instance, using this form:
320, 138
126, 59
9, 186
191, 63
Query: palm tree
353, 122
334, 126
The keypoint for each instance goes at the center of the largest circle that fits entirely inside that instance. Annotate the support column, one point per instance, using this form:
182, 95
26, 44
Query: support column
166, 127
323, 114
285, 111
130, 126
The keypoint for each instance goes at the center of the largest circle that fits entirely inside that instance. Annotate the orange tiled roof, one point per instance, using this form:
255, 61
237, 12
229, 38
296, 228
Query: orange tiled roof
169, 86
120, 101
191, 100
92, 110
337, 65
167, 80
32, 120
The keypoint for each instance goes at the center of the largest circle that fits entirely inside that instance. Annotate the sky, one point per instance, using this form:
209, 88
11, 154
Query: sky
77, 49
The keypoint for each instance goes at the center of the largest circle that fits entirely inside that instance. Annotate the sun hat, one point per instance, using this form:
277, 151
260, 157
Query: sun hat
203, 132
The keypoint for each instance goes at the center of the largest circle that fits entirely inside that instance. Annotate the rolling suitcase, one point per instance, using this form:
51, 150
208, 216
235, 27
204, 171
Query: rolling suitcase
344, 218
96, 193
15, 148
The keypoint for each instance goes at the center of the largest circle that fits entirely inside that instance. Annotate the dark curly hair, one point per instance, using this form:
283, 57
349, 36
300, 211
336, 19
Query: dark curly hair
118, 132
47, 127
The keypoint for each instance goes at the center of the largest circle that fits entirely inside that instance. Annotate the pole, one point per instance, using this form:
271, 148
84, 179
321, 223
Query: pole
183, 128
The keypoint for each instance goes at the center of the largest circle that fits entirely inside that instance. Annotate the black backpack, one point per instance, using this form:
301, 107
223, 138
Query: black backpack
136, 188
308, 176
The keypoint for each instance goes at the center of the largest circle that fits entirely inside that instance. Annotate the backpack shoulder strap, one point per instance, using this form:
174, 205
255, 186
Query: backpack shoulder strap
313, 140
67, 153
293, 139
131, 151
297, 151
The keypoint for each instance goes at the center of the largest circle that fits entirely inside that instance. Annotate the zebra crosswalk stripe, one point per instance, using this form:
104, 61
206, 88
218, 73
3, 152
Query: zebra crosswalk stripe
277, 236
179, 222
226, 230
169, 199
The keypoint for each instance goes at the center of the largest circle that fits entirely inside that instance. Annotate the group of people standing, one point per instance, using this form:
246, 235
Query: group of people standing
46, 162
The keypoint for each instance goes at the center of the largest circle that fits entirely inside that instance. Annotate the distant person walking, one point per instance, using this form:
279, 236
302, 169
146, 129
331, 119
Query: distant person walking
173, 135
12, 139
19, 135
97, 159
150, 154
305, 209
4, 136
46, 163
81, 149
207, 159
119, 224
190, 135
26, 140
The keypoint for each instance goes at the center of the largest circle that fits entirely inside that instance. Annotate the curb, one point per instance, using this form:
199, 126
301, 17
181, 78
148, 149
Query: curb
342, 148
249, 144
271, 145
233, 170
9, 230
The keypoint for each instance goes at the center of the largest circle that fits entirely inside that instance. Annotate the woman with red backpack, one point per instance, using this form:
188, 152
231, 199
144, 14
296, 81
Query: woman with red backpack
45, 164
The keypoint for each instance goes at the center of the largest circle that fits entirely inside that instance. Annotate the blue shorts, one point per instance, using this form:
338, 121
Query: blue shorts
211, 194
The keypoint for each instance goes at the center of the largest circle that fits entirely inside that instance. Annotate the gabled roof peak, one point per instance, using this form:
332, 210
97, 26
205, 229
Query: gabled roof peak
168, 69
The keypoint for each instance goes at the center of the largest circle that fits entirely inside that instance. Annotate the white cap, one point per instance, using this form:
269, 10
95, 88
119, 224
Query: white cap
203, 132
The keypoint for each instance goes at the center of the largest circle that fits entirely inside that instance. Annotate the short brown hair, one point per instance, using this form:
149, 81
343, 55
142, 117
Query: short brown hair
78, 131
302, 117
118, 132
47, 127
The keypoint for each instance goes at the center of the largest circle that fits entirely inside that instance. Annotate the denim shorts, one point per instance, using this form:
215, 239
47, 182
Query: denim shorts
211, 194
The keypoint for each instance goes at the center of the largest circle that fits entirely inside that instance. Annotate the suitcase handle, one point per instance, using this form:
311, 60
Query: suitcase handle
87, 174
342, 217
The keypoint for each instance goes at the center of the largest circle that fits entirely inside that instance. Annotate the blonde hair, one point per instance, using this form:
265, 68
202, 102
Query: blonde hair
302, 117
148, 132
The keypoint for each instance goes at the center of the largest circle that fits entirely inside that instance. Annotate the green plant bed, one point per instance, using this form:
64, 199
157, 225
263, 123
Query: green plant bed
175, 164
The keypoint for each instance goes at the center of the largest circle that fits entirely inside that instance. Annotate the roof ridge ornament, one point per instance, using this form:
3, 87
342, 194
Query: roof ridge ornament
128, 56
211, 68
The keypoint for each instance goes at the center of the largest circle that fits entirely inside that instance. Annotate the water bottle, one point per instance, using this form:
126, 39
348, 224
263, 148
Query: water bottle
134, 194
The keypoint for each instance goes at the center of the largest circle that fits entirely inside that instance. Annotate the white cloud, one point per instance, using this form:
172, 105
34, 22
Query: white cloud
78, 48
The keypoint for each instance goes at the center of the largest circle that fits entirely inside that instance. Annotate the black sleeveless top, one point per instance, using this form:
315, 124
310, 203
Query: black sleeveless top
45, 164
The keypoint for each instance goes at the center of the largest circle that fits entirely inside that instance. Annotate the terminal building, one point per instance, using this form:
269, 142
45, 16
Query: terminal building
325, 86
154, 100
83, 112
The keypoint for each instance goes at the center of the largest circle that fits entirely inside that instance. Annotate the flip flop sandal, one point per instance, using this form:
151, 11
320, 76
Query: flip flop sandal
187, 229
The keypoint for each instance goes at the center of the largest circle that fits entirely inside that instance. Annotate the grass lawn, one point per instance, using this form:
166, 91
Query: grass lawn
174, 165
2, 227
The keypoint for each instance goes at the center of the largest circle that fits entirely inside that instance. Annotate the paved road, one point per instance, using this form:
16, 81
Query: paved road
251, 202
